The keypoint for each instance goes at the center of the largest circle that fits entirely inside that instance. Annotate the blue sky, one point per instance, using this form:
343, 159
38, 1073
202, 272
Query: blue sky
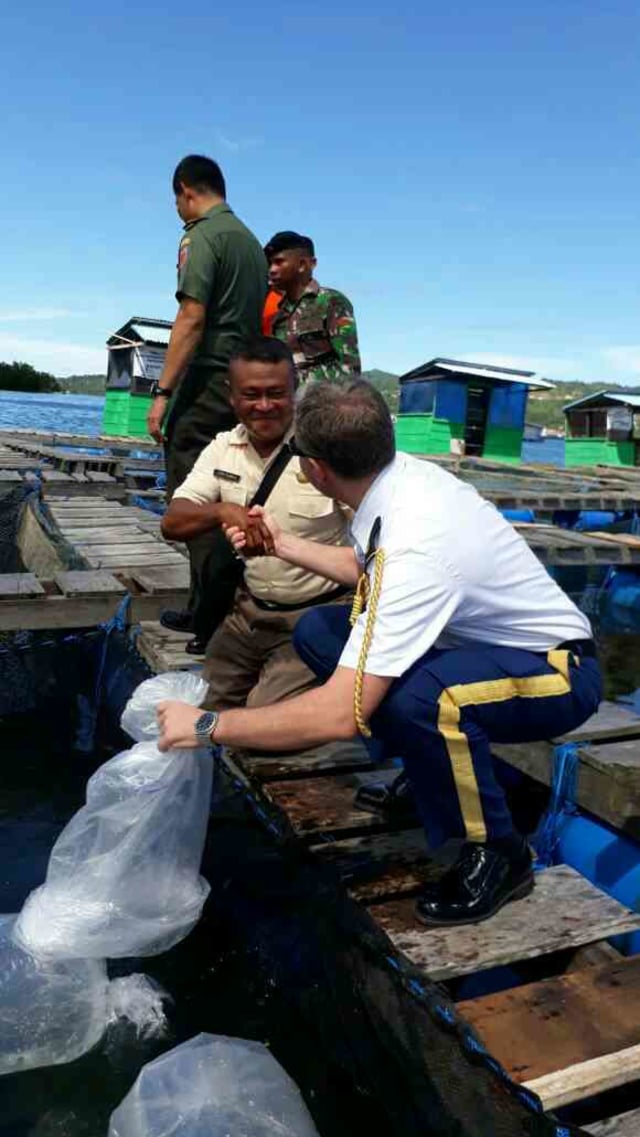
468, 171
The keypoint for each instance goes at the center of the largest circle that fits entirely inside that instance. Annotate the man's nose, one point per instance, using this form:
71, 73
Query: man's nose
264, 403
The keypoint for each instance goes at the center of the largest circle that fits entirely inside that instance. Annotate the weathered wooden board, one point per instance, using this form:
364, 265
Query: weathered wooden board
319, 807
174, 578
126, 535
94, 583
14, 584
624, 1125
123, 559
547, 1026
564, 910
608, 780
587, 1079
334, 757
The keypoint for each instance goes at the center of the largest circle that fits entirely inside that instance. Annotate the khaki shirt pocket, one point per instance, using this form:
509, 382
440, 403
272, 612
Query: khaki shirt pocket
234, 493
311, 505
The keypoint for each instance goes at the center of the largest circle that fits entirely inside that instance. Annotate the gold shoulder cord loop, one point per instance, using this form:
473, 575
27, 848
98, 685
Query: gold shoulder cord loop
369, 600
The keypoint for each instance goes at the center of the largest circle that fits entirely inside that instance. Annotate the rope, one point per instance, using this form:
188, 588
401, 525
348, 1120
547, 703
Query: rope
368, 598
562, 802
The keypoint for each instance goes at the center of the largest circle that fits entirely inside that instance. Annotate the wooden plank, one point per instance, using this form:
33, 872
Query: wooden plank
608, 781
340, 757
122, 559
85, 584
48, 612
587, 1079
564, 910
317, 807
560, 1022
159, 580
124, 536
624, 1125
14, 584
122, 550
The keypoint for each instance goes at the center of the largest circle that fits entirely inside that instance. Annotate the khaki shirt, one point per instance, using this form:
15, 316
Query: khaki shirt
230, 469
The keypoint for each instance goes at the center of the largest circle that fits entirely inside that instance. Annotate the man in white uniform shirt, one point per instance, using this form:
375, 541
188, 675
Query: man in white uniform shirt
250, 657
465, 640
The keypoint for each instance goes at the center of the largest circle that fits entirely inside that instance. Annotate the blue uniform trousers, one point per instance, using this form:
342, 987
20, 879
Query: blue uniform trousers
442, 715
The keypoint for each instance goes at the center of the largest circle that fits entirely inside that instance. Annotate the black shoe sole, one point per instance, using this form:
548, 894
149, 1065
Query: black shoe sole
518, 893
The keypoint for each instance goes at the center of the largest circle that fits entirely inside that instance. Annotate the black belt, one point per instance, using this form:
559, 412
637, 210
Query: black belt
585, 648
325, 598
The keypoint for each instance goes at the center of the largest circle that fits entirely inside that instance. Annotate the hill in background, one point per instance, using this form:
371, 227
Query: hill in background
83, 384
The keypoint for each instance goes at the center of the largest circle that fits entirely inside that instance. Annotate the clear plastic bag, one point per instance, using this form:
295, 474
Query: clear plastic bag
51, 1011
212, 1086
124, 875
139, 716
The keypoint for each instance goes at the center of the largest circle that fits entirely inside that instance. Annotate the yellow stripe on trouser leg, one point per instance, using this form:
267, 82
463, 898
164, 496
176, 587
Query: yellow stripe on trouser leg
489, 691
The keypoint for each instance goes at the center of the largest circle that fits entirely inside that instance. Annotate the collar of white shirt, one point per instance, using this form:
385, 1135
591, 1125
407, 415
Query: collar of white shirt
374, 503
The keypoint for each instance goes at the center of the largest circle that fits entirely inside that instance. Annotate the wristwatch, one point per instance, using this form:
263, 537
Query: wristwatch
156, 390
205, 727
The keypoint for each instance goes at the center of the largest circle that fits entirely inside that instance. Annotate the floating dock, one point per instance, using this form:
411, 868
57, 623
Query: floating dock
567, 1026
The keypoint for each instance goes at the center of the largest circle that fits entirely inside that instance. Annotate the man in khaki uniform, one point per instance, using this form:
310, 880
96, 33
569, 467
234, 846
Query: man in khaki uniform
250, 658
222, 283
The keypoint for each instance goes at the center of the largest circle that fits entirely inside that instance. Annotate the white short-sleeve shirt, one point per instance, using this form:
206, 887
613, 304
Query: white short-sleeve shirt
456, 574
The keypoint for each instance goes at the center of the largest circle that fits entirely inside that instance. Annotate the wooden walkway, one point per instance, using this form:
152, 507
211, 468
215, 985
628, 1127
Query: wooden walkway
122, 552
567, 1036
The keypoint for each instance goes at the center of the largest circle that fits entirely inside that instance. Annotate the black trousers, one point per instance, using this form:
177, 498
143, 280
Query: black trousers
199, 412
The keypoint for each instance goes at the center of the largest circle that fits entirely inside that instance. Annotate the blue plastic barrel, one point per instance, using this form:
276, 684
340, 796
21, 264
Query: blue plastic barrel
518, 514
596, 519
608, 859
623, 588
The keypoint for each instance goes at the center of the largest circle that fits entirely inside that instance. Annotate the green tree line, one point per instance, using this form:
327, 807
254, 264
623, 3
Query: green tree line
23, 377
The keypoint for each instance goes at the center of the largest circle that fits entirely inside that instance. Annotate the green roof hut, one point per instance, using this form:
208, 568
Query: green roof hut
136, 355
449, 405
603, 429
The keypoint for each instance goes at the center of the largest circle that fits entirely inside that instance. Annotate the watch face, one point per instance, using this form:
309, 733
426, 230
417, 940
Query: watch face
204, 725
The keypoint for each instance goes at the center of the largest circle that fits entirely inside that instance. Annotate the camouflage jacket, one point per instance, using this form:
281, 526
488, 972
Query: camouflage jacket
320, 329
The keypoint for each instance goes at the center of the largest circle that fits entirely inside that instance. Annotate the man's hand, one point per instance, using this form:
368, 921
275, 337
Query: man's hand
257, 540
244, 537
177, 725
156, 417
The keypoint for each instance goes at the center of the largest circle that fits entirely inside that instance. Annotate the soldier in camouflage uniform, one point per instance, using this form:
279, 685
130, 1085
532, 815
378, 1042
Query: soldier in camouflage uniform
317, 323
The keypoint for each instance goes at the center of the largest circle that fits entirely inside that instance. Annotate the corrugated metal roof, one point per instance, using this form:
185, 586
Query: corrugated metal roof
479, 370
527, 377
617, 398
151, 332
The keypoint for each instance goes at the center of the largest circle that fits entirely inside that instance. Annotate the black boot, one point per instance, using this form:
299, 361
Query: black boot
391, 800
483, 879
177, 621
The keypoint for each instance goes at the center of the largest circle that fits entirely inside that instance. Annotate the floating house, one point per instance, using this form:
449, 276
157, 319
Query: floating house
451, 405
136, 355
603, 428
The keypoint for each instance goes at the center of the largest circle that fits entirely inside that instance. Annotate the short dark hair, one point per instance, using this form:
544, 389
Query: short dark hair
289, 241
264, 349
199, 173
346, 425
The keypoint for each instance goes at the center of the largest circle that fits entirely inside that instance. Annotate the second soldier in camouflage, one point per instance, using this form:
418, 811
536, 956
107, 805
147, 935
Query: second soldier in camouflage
317, 323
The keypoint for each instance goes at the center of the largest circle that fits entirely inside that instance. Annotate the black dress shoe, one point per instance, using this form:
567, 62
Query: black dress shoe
177, 621
196, 647
392, 800
476, 886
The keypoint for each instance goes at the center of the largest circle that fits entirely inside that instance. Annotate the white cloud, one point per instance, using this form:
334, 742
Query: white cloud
236, 145
24, 315
51, 355
623, 357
